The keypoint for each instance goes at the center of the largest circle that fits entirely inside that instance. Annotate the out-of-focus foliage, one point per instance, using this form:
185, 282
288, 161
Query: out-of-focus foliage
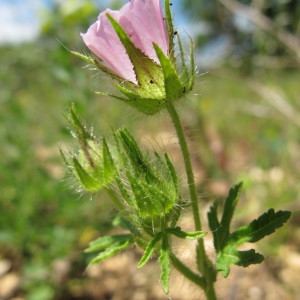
252, 27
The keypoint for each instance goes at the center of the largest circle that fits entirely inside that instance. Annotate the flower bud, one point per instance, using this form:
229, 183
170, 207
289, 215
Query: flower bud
135, 46
92, 166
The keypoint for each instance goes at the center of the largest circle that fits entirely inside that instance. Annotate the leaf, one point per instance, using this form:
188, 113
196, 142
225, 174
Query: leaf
229, 207
149, 250
264, 225
214, 225
164, 261
106, 241
230, 255
226, 243
249, 257
186, 235
111, 251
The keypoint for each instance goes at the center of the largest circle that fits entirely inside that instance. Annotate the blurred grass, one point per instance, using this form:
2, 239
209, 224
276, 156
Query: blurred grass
236, 135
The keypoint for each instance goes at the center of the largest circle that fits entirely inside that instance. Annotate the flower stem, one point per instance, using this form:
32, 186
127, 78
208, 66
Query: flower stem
187, 162
203, 263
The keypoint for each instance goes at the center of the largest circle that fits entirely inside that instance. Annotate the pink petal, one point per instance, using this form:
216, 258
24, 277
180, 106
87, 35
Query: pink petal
102, 39
143, 21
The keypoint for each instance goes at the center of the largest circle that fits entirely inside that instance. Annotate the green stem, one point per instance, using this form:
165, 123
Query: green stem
186, 272
187, 162
203, 263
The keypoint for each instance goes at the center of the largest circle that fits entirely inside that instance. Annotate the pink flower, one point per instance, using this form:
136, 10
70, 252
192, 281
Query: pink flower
143, 22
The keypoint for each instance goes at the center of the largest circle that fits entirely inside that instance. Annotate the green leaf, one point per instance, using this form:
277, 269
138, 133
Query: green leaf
111, 251
186, 235
107, 241
230, 255
264, 225
214, 226
165, 261
221, 230
229, 207
149, 250
226, 243
249, 257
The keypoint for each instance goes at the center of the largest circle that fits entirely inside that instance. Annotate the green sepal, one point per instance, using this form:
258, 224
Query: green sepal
192, 66
173, 86
170, 29
148, 73
84, 57
149, 250
148, 106
193, 235
165, 263
107, 241
187, 76
108, 163
100, 65
87, 181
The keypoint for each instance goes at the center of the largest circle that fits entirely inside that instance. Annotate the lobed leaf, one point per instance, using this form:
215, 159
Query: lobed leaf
264, 225
230, 255
214, 226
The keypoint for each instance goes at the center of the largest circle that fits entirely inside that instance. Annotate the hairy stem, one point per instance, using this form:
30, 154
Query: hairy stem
203, 263
188, 273
187, 162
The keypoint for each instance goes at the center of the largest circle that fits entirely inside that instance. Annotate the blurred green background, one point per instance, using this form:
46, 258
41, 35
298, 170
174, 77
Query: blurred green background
243, 123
